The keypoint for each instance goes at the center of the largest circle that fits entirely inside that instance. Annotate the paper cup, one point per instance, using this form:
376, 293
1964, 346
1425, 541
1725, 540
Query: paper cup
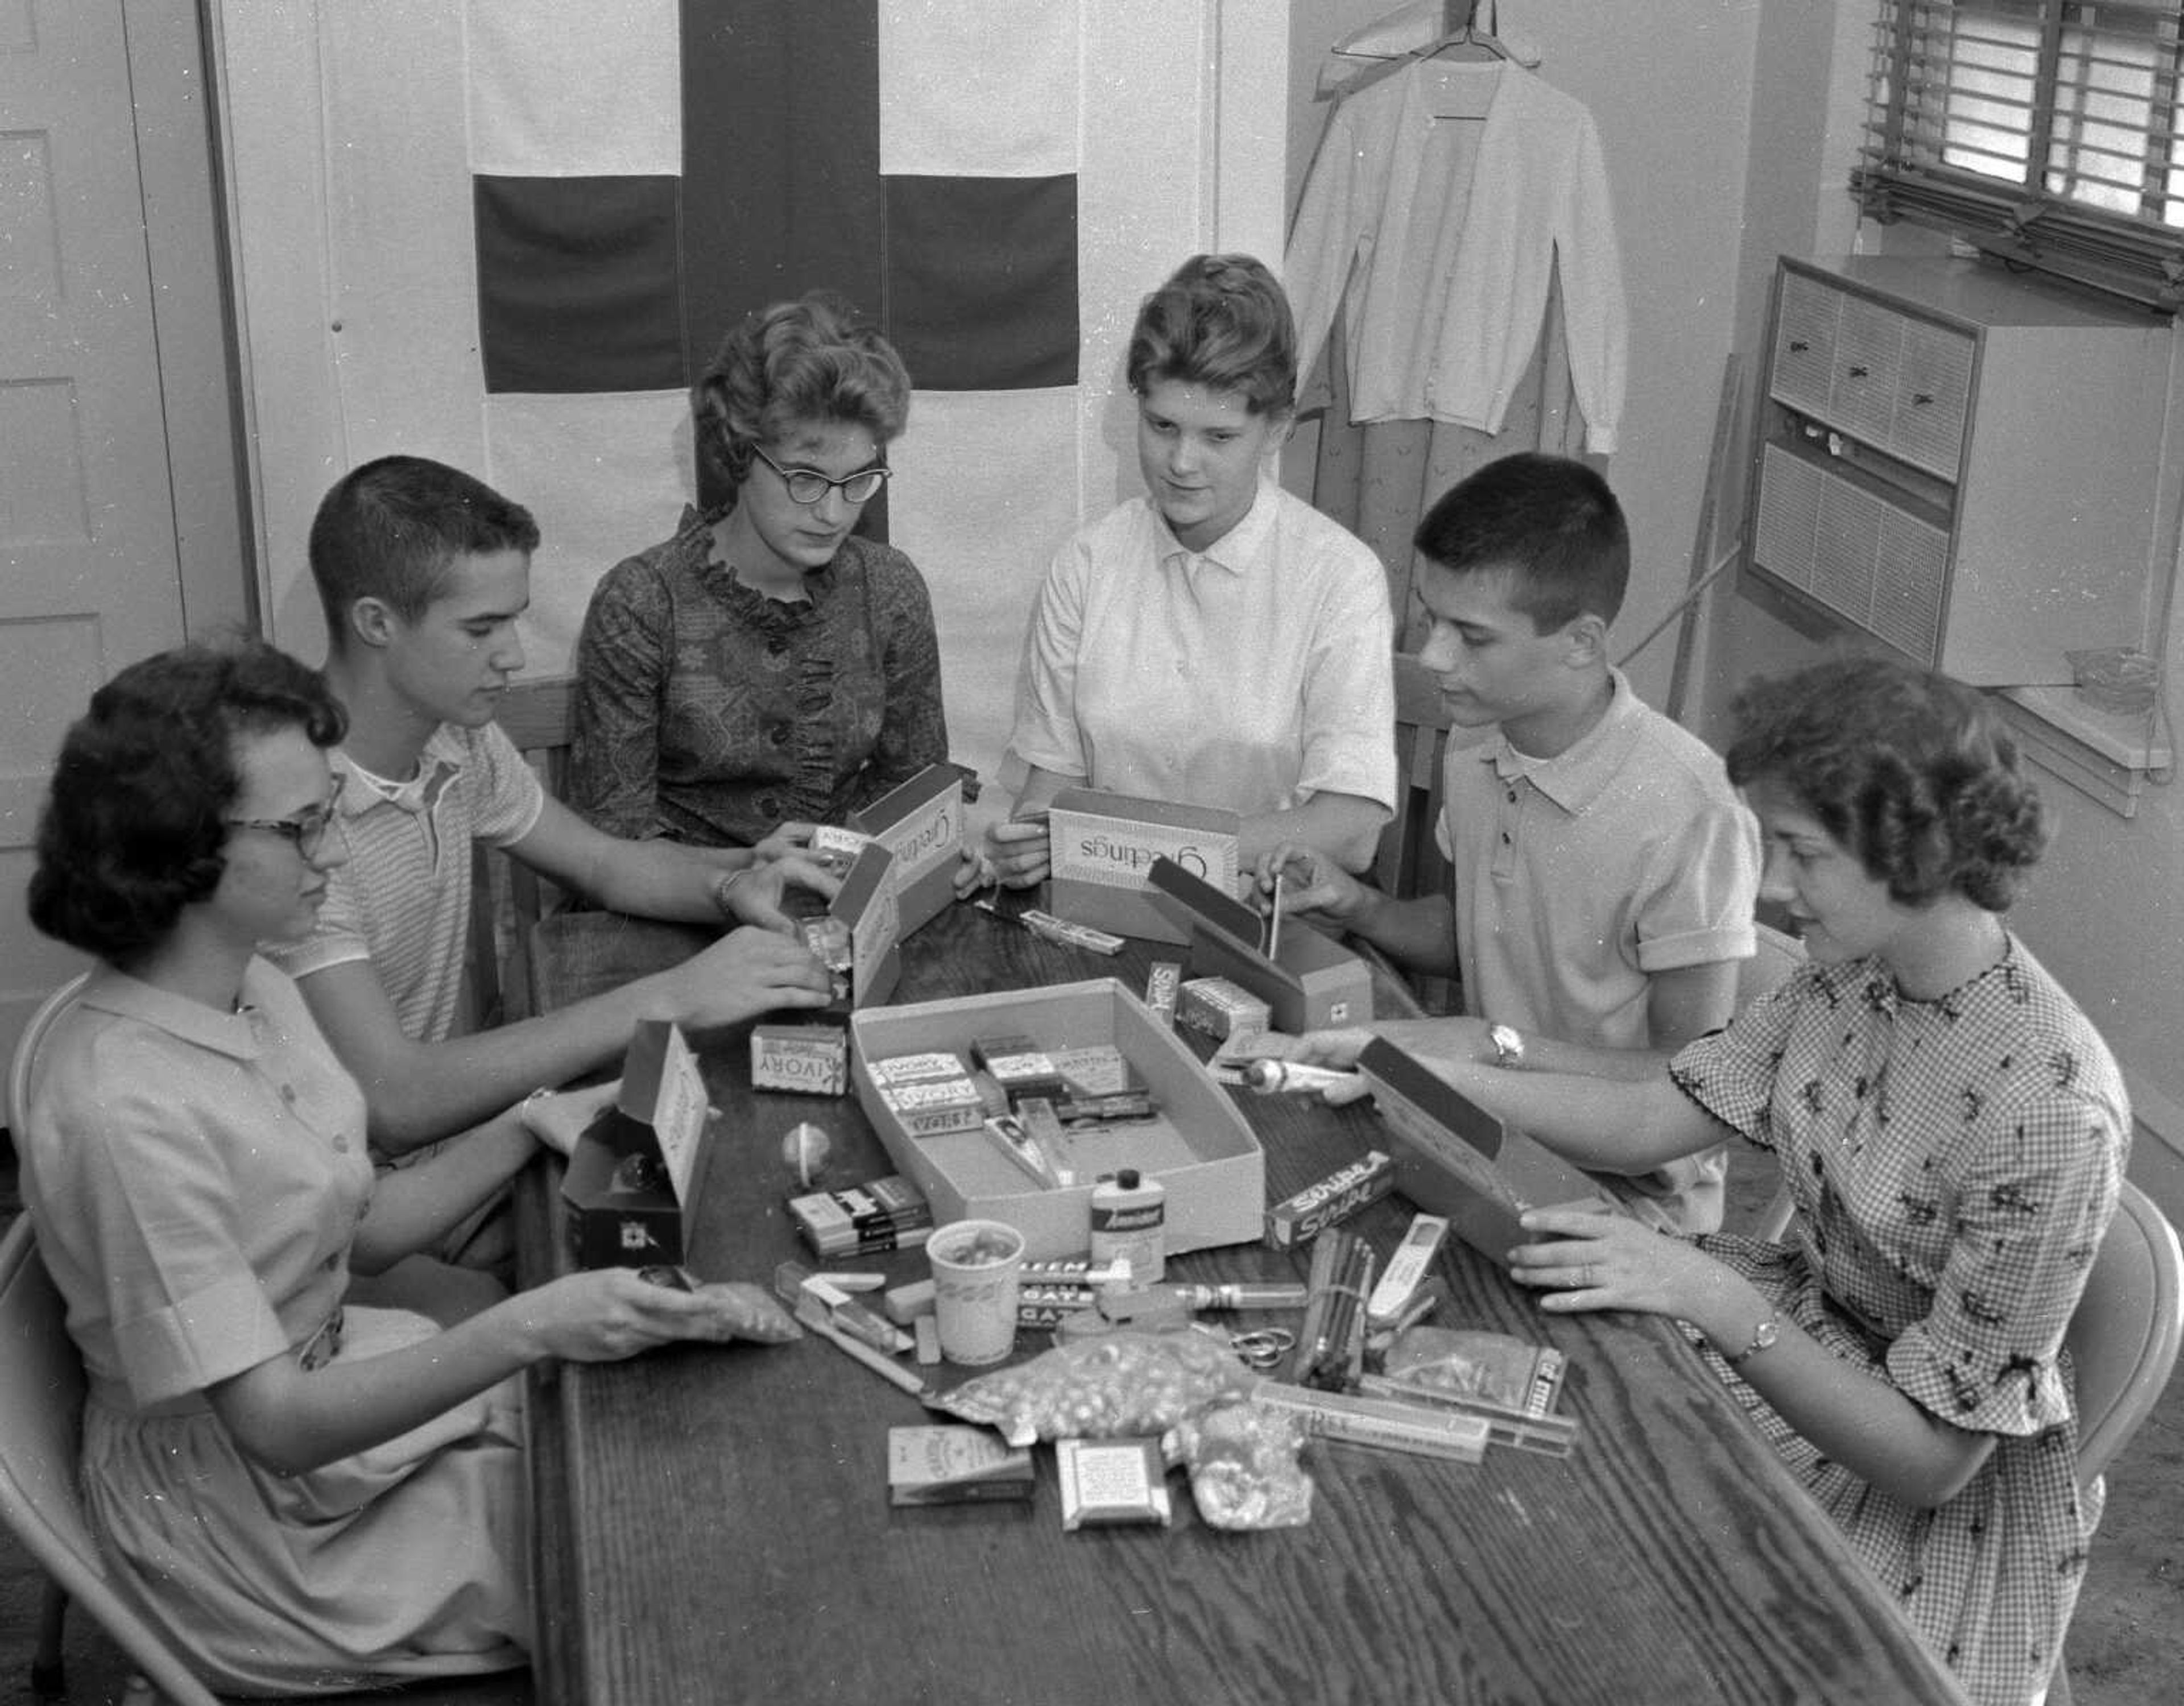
975, 1267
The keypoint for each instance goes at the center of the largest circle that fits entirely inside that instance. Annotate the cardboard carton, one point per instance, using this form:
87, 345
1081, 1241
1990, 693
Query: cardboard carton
1312, 984
633, 1181
866, 905
1455, 1159
920, 822
1101, 848
1197, 1143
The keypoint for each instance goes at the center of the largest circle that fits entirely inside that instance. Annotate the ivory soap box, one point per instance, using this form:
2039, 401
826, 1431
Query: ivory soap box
633, 1179
1101, 848
920, 822
1455, 1159
1197, 1143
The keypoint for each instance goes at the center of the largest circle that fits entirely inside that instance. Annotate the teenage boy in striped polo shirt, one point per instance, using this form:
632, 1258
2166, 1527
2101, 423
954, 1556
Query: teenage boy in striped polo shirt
423, 572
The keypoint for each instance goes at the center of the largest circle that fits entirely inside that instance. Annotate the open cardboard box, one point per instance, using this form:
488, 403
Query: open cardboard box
633, 1179
1311, 984
1101, 848
920, 822
867, 903
1453, 1158
1197, 1144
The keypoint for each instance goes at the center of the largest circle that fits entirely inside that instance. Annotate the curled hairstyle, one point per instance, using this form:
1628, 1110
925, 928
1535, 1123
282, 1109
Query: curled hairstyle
1548, 524
132, 829
1221, 321
1914, 773
391, 530
813, 360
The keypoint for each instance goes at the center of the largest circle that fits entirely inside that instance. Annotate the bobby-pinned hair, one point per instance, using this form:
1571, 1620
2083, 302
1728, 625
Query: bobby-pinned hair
1221, 321
1913, 771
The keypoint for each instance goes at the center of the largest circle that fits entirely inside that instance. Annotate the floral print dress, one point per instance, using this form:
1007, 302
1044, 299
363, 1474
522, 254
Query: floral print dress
1954, 1164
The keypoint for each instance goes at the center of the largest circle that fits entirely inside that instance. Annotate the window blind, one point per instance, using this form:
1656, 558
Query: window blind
2045, 132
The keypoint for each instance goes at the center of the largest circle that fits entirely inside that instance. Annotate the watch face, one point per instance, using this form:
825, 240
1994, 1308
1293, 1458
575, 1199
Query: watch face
1508, 1044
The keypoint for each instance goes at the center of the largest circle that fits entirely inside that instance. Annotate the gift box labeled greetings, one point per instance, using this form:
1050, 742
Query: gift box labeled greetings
1190, 1137
1307, 981
634, 1177
1101, 848
920, 822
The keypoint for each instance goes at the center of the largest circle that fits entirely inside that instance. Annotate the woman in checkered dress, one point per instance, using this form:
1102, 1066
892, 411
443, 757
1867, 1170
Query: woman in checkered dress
1953, 1132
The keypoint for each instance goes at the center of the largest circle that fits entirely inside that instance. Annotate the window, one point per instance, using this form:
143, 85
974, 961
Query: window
2046, 133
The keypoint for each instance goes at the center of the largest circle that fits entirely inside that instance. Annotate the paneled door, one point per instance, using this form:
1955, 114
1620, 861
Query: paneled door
89, 575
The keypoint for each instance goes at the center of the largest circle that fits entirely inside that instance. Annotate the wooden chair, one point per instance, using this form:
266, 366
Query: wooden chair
508, 896
1409, 861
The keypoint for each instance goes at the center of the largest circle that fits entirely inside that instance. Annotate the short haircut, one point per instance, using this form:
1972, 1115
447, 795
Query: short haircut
1915, 773
1220, 321
393, 529
132, 829
813, 360
1549, 524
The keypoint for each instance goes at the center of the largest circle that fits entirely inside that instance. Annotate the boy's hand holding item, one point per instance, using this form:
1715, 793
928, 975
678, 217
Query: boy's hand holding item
748, 972
557, 1119
1304, 882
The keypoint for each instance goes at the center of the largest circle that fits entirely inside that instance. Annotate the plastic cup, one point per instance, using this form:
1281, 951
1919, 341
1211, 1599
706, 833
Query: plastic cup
976, 1266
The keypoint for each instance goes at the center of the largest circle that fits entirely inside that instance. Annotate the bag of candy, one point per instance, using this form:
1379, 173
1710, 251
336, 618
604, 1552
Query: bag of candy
1244, 1469
1112, 1385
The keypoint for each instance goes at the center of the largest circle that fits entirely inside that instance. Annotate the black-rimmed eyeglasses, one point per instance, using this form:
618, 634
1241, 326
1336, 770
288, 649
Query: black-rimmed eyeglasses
808, 486
306, 830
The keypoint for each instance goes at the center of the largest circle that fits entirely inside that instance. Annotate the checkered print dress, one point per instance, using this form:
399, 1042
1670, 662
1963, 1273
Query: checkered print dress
1954, 1164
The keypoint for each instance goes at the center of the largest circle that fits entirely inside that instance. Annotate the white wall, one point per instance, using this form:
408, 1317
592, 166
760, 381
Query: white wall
2106, 909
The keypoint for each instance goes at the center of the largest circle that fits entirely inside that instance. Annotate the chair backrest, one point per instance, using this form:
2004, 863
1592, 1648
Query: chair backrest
536, 715
2123, 1338
1409, 861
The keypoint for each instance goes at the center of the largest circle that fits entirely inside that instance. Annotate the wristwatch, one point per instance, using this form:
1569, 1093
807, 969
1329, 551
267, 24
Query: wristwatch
1765, 1334
1508, 1046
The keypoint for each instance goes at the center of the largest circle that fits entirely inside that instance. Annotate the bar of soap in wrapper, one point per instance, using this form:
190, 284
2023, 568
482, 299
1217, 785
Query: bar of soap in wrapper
1105, 1482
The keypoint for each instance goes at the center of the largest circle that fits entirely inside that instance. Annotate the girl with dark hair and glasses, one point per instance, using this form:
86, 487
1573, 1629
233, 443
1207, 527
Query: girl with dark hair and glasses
767, 668
302, 1496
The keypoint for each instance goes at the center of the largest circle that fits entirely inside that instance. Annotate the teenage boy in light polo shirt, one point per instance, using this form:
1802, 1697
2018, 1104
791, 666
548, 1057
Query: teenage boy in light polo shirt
423, 571
1605, 870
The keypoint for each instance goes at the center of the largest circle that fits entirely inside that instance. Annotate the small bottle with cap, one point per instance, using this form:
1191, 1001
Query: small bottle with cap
1130, 1224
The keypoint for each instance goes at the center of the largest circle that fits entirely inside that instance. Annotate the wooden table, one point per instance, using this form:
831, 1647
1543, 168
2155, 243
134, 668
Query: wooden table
714, 1525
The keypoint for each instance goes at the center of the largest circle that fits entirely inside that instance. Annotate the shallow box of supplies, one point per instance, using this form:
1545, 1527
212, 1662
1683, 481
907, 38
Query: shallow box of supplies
1196, 1142
1101, 848
1453, 1158
1311, 983
634, 1177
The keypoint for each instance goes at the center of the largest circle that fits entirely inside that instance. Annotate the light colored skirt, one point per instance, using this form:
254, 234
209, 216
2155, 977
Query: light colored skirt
411, 1559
